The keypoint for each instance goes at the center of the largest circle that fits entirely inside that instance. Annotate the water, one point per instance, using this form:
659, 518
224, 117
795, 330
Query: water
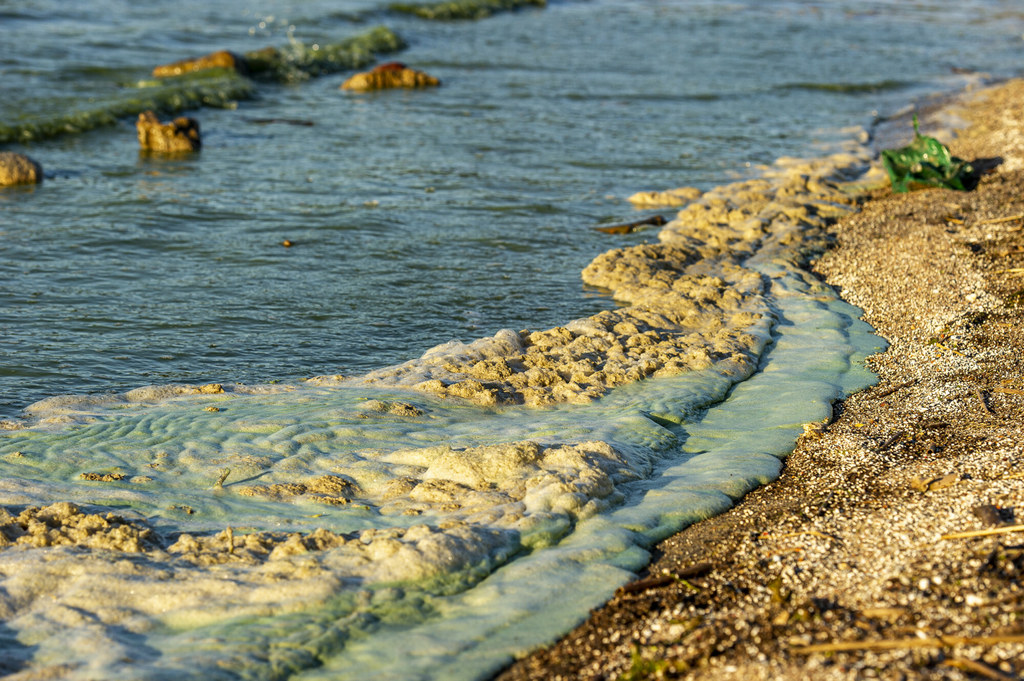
416, 217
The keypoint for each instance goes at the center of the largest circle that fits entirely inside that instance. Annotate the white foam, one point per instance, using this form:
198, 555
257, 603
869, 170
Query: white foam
365, 517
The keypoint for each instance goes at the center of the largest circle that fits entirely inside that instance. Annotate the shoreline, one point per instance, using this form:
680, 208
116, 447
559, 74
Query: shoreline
845, 551
692, 567
495, 500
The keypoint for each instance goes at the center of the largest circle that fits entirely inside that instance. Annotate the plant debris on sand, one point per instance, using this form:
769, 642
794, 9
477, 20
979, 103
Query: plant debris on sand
892, 545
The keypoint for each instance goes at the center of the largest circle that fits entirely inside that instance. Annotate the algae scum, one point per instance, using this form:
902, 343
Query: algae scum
303, 529
459, 504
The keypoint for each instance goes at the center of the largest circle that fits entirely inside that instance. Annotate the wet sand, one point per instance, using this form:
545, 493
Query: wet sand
892, 545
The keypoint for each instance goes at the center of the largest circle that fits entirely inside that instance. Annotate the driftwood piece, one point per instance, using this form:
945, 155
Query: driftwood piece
658, 581
935, 483
630, 227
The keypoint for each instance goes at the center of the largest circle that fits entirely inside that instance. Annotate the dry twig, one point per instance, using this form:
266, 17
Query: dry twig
891, 390
806, 532
978, 668
905, 643
996, 221
892, 440
667, 579
983, 533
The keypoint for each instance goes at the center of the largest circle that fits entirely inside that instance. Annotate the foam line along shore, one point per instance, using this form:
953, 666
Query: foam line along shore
448, 506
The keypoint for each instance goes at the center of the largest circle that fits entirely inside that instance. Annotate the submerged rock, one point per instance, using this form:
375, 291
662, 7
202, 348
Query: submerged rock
181, 134
385, 408
326, 489
64, 524
670, 197
216, 60
390, 75
18, 168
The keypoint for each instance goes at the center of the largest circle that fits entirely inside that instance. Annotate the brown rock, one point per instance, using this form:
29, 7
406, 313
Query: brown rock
216, 60
18, 169
669, 197
390, 75
181, 134
102, 477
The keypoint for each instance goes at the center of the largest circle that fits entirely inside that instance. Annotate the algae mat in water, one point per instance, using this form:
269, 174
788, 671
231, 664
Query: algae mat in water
463, 9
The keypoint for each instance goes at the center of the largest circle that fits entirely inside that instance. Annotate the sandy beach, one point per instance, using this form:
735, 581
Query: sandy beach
891, 546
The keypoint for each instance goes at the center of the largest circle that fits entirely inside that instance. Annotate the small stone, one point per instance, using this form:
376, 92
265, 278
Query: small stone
18, 168
102, 477
180, 135
665, 199
988, 515
390, 75
934, 483
216, 60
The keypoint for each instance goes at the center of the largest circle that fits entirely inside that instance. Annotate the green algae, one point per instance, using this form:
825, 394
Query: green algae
298, 62
452, 10
217, 88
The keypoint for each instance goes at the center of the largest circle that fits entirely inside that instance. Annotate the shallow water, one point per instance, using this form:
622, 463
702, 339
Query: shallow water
453, 531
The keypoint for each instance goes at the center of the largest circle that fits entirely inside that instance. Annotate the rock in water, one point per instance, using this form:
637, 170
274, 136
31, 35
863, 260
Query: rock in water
217, 60
390, 75
18, 169
181, 134
667, 198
